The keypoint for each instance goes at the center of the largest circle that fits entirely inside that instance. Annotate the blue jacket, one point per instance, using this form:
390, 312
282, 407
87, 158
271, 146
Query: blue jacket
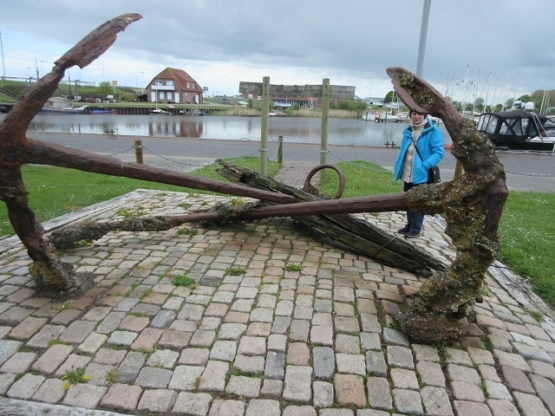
430, 145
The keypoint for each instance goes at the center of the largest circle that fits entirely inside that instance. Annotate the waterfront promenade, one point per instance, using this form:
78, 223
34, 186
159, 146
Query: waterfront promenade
276, 323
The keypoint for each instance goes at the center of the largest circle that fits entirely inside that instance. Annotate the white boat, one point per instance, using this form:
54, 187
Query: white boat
388, 118
62, 110
159, 111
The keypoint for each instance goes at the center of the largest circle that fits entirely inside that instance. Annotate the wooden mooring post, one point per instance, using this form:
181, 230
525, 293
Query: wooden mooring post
264, 125
139, 151
324, 136
280, 150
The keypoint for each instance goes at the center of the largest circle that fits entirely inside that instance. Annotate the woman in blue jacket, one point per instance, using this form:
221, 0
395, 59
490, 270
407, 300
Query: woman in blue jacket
412, 166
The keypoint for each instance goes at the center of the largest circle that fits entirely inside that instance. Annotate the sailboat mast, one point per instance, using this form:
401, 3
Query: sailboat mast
2, 50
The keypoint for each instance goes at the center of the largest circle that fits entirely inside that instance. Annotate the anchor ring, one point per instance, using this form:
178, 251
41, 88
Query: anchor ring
318, 168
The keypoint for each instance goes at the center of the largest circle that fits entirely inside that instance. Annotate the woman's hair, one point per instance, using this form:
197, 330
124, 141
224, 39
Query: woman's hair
412, 111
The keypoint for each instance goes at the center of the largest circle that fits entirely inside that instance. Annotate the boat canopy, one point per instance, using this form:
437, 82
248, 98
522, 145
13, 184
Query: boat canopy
514, 126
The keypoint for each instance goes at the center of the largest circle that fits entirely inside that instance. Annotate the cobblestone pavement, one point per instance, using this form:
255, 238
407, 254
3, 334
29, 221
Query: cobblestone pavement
273, 322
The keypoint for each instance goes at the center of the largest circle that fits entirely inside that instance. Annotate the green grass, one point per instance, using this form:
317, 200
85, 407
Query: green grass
183, 280
56, 191
527, 235
361, 178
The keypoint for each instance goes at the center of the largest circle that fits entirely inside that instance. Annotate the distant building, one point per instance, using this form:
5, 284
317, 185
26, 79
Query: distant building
305, 96
374, 101
174, 86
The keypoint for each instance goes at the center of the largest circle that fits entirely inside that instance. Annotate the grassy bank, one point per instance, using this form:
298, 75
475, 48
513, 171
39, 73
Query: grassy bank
526, 231
303, 112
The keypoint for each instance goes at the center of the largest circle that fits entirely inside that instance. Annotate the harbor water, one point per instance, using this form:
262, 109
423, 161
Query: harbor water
341, 131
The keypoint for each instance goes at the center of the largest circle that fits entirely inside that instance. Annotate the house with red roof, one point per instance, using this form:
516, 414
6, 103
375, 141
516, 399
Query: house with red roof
174, 86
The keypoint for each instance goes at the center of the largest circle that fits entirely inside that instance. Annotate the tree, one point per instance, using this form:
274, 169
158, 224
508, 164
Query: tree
390, 97
105, 87
250, 103
479, 102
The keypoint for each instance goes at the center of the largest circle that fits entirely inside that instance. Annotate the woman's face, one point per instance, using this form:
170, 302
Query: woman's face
417, 118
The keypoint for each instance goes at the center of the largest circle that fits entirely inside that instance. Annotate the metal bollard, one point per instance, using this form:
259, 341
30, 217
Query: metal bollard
139, 151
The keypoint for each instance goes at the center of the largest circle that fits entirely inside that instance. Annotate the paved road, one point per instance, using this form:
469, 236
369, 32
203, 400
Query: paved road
526, 171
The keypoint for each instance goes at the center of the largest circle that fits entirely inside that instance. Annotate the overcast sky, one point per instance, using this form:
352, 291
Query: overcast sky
503, 48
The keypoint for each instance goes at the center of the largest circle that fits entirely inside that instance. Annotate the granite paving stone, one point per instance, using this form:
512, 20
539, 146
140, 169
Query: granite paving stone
321, 341
244, 386
545, 391
231, 331
436, 401
249, 364
379, 393
27, 328
530, 405
275, 365
227, 408
351, 363
19, 363
252, 345
324, 362
375, 363
271, 388
122, 397
430, 373
43, 337
163, 358
467, 391
124, 338
186, 377
298, 384
408, 401
131, 366
25, 387
151, 377
502, 408
98, 373
323, 394
74, 362
51, 391
52, 358
92, 343
400, 357
214, 376
264, 407
84, 395
157, 400
196, 404
349, 390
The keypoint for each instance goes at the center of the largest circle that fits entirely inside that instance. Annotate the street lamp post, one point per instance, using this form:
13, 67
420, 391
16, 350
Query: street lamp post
142, 84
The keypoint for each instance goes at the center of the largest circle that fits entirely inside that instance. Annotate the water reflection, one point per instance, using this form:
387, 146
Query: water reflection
294, 129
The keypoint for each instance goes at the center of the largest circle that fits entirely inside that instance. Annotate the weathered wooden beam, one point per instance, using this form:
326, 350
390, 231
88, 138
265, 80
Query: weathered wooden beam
323, 217
298, 91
